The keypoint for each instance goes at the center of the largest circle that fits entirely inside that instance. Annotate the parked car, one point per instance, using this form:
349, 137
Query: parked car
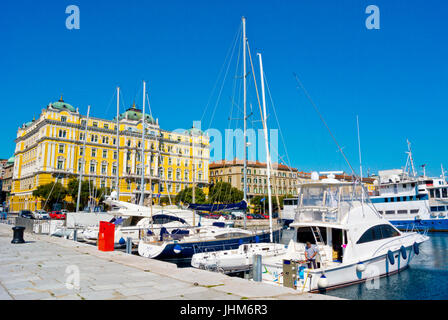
41, 214
58, 215
26, 214
64, 211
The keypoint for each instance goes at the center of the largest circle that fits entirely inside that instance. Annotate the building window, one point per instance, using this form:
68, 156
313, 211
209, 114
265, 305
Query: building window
170, 174
104, 153
61, 148
82, 136
60, 164
186, 175
115, 155
63, 119
178, 175
81, 151
95, 124
92, 167
105, 140
93, 152
114, 169
114, 141
62, 133
106, 126
104, 168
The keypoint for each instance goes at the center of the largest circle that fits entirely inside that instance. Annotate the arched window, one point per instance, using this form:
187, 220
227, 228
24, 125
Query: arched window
60, 163
92, 166
186, 175
379, 232
178, 175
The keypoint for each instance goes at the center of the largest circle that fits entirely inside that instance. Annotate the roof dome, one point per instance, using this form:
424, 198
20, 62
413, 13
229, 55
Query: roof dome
195, 131
10, 160
63, 106
135, 114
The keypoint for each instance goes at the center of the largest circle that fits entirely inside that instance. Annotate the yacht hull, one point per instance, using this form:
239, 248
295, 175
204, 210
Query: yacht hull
345, 275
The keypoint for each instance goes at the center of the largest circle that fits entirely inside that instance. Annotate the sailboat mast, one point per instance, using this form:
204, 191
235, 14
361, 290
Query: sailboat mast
82, 161
142, 183
266, 140
245, 115
194, 178
117, 177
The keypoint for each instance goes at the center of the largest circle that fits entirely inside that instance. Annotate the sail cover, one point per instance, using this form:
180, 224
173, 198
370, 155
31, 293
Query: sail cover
219, 207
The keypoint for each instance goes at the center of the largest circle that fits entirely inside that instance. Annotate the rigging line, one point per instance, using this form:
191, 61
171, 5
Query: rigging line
278, 122
323, 120
222, 86
110, 102
237, 36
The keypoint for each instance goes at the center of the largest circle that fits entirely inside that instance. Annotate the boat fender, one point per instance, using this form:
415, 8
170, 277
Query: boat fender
121, 241
403, 252
360, 267
177, 249
416, 248
390, 256
323, 282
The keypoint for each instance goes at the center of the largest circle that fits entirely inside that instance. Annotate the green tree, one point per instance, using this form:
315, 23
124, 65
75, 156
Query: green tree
72, 189
51, 193
223, 192
263, 206
186, 196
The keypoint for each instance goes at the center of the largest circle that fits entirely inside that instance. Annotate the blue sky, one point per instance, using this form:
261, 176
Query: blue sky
394, 78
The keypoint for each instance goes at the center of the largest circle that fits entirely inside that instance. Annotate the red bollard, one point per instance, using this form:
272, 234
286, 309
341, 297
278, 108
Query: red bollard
106, 236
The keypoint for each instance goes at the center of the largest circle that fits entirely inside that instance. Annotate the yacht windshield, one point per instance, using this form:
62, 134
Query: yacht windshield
330, 195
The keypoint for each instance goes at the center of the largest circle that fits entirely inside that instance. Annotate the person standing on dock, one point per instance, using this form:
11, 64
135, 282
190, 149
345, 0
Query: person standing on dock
310, 255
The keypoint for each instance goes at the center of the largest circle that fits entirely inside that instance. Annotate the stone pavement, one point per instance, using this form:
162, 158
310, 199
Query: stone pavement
41, 269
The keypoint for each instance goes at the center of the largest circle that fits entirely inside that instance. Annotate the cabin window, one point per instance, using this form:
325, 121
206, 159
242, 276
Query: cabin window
390, 212
444, 193
379, 232
402, 211
431, 192
414, 211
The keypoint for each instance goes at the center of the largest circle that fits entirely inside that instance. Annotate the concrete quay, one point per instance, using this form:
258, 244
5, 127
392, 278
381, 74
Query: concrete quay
47, 268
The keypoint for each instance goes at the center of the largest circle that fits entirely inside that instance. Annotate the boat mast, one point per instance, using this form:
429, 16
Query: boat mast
411, 159
117, 178
194, 178
266, 140
244, 116
83, 160
443, 172
360, 160
142, 183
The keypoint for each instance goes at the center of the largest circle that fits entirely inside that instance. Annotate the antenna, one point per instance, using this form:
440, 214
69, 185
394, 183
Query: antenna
410, 159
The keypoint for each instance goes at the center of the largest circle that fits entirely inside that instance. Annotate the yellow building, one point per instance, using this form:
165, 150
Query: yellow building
51, 148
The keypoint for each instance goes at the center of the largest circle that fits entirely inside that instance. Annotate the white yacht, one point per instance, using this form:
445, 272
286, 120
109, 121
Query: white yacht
237, 260
354, 241
136, 221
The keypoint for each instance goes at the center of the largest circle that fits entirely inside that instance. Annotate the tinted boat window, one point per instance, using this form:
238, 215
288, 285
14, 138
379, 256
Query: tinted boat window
383, 231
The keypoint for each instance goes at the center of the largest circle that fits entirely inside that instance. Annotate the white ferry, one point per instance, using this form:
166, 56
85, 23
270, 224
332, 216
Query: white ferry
412, 202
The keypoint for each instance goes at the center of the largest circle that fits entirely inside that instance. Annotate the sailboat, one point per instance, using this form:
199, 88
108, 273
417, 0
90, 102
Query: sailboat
211, 238
241, 258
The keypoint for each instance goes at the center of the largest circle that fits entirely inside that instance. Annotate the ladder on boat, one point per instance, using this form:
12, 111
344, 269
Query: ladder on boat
319, 243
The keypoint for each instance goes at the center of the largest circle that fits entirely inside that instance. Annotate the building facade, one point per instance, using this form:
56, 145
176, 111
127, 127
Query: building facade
284, 180
52, 148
